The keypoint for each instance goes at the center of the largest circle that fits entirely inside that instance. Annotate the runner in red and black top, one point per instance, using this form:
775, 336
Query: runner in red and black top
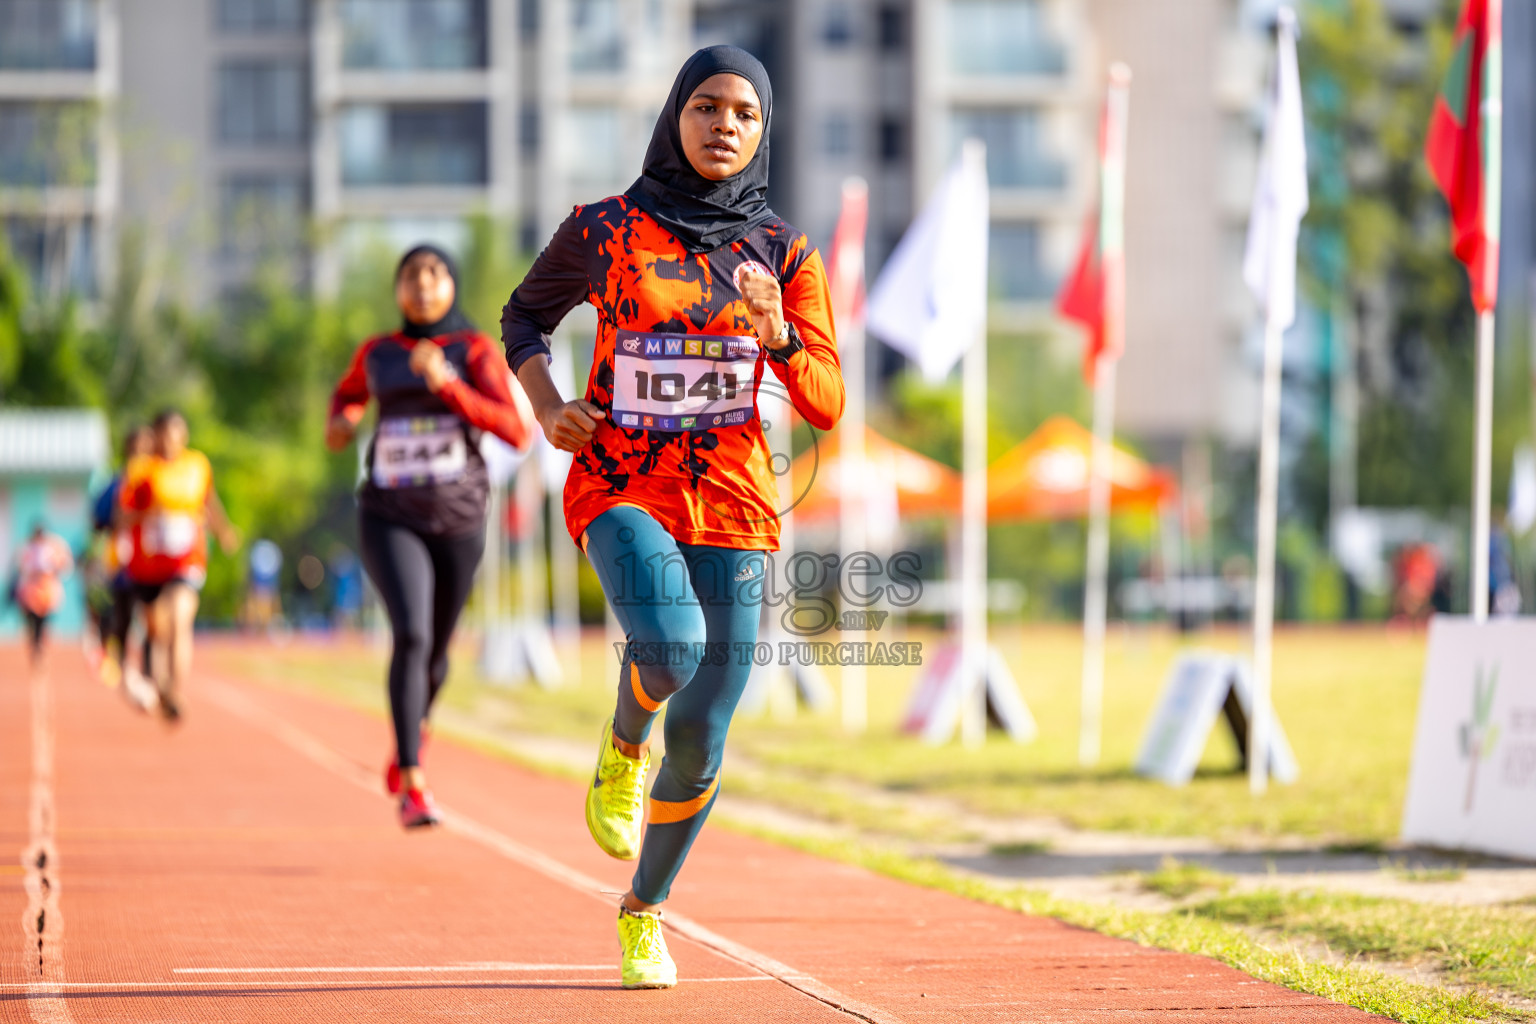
439, 384
701, 292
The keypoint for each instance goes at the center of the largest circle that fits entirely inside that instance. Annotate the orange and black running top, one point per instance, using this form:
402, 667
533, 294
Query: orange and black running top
424, 467
677, 367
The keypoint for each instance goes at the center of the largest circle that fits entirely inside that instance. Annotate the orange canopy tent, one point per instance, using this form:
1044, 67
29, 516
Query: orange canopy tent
1045, 476
922, 486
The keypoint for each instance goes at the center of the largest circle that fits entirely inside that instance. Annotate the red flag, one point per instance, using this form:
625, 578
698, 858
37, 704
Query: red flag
845, 270
1082, 296
1464, 148
1094, 295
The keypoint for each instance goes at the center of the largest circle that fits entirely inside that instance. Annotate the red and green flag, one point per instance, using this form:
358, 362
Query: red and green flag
1464, 149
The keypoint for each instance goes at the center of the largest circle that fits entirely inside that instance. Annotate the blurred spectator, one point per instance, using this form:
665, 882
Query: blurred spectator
346, 588
261, 601
1503, 583
1415, 575
38, 588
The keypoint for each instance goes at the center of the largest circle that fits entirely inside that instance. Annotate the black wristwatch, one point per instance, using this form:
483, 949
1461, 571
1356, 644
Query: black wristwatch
781, 355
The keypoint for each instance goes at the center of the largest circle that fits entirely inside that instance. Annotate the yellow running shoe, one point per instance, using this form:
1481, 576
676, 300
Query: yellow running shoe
647, 964
616, 799
110, 671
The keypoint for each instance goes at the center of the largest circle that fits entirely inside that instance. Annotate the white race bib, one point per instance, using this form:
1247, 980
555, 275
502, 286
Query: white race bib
683, 382
167, 533
417, 451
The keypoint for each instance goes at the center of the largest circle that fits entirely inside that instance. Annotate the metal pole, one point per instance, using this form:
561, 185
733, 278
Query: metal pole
973, 546
1096, 590
1483, 467
852, 521
1264, 581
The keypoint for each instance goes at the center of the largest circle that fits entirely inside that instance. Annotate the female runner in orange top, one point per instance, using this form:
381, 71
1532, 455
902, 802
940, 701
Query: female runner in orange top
169, 503
701, 291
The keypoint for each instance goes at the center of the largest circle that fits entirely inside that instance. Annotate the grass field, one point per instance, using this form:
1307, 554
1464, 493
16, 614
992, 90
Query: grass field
1347, 699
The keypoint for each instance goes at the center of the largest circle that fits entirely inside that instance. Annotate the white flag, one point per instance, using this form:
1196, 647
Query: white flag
930, 302
1521, 514
1280, 200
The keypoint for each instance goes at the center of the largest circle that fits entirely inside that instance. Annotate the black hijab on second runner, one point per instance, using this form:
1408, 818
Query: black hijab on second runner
705, 214
454, 320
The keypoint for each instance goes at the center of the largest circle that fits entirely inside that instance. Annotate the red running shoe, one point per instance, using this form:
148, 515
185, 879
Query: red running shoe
392, 772
417, 809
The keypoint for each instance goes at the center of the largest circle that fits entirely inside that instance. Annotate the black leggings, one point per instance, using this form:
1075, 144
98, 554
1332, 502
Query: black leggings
424, 581
37, 631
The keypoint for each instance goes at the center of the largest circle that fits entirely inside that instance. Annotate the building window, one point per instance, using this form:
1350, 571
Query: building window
47, 144
249, 16
528, 19
57, 255
597, 37
1015, 265
263, 102
413, 35
1003, 37
837, 29
891, 28
263, 214
528, 127
414, 144
837, 136
57, 35
1017, 155
594, 147
893, 141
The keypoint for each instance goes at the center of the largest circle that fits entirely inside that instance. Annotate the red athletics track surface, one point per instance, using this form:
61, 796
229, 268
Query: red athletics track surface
246, 867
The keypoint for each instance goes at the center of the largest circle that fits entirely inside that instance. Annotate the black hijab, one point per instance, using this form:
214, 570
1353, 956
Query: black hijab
705, 214
454, 320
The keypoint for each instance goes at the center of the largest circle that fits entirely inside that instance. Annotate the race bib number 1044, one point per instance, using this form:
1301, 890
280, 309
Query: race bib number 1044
683, 382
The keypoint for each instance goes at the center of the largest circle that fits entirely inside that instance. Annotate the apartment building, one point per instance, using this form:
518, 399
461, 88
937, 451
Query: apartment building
59, 180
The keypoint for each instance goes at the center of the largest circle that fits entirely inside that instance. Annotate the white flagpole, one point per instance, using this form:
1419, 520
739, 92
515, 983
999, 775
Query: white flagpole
1482, 483
973, 520
1096, 591
1264, 582
1111, 247
1280, 202
852, 509
1493, 197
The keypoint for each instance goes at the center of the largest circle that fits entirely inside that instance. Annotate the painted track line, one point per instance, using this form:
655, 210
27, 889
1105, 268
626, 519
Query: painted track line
446, 969
43, 922
257, 985
237, 703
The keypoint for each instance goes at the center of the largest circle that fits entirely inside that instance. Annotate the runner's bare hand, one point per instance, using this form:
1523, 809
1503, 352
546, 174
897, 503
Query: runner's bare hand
339, 433
765, 300
429, 363
571, 425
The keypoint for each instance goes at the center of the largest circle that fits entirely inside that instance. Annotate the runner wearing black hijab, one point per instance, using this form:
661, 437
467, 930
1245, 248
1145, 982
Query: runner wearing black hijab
700, 290
439, 384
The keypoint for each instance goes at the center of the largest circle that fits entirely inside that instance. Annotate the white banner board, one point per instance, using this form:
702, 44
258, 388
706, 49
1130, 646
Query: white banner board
1472, 785
1202, 686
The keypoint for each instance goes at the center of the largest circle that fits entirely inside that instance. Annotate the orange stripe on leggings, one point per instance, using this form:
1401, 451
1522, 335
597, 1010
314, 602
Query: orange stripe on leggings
641, 696
665, 812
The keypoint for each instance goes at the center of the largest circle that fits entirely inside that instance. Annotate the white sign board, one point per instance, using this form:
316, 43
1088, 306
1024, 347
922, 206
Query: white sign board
1202, 686
937, 702
1472, 785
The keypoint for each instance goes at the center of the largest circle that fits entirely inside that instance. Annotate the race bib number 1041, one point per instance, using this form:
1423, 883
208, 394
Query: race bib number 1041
683, 382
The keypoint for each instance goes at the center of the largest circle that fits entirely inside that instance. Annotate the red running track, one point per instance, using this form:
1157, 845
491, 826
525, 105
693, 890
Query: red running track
245, 867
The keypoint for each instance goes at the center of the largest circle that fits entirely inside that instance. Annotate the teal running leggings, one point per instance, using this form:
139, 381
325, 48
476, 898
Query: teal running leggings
690, 616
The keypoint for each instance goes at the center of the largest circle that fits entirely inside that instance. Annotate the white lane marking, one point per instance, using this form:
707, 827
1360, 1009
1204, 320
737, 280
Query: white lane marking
42, 922
316, 750
401, 970
299, 984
